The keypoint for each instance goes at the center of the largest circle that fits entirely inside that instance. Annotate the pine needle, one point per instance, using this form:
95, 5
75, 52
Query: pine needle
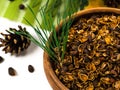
48, 38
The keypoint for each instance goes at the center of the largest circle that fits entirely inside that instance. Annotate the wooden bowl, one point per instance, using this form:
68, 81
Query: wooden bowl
55, 83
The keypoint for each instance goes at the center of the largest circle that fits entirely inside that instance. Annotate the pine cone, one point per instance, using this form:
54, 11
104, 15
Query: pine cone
112, 3
14, 43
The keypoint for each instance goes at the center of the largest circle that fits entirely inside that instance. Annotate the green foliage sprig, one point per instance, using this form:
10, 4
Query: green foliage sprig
50, 40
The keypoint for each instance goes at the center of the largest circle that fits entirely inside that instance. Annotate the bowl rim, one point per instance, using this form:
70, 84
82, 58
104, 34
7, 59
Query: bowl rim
53, 80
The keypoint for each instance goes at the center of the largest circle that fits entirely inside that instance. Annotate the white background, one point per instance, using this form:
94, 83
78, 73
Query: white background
24, 80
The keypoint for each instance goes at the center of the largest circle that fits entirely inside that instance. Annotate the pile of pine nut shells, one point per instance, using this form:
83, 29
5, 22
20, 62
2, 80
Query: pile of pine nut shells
92, 58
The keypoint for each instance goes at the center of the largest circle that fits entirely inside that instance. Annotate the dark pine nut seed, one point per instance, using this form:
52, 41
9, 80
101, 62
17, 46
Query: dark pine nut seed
31, 68
12, 71
1, 59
